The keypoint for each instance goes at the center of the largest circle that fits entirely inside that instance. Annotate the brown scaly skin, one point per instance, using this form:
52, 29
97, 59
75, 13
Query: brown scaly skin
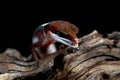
45, 35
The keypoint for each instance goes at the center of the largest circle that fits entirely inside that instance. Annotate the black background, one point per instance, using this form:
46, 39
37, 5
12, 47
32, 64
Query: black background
18, 21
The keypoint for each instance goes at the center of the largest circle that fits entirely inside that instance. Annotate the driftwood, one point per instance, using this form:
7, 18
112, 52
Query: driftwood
98, 58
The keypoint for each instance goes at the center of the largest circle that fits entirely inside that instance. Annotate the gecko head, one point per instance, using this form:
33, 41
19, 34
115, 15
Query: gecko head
64, 32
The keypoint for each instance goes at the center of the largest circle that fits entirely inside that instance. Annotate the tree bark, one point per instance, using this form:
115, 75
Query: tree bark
98, 58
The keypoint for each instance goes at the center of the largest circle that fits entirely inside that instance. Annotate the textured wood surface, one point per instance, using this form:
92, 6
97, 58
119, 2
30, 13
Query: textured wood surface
98, 58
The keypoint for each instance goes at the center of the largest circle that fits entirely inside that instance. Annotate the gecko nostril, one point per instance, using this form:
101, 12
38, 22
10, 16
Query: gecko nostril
76, 41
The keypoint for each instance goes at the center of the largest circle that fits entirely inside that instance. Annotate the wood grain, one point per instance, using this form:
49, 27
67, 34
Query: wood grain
98, 58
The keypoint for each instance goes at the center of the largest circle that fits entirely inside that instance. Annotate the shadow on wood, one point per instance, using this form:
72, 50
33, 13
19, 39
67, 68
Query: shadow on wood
98, 58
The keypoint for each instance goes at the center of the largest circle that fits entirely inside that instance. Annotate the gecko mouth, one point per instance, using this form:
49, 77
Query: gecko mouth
64, 40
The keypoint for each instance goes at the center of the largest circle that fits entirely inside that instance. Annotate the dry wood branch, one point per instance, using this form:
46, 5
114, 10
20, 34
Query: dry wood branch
97, 58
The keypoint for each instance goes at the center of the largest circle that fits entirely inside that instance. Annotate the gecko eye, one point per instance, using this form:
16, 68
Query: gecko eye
62, 34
